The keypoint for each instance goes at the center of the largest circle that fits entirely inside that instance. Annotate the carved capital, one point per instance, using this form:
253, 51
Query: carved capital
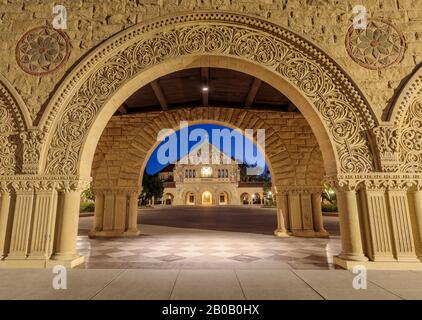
32, 141
387, 138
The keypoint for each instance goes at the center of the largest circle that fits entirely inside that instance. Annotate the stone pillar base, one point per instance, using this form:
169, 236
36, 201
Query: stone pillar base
311, 234
282, 233
114, 234
377, 265
41, 264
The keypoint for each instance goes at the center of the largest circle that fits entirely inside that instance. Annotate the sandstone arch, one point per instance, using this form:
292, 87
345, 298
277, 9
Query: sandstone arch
361, 156
14, 122
326, 96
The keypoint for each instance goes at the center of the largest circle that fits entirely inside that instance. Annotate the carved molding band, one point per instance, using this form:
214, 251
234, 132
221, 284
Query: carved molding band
340, 105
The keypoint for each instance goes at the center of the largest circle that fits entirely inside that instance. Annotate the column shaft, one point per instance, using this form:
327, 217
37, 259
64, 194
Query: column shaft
417, 201
68, 226
351, 239
4, 222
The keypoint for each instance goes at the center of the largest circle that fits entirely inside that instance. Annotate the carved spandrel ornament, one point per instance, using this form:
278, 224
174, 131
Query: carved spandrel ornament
410, 141
346, 116
378, 46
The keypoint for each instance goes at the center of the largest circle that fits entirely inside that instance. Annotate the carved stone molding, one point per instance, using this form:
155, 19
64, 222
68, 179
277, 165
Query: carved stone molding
343, 110
299, 189
376, 181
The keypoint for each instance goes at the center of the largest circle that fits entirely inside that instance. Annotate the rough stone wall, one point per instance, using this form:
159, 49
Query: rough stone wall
126, 141
324, 21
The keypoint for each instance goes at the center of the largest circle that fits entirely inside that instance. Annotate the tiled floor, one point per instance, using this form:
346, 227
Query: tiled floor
163, 247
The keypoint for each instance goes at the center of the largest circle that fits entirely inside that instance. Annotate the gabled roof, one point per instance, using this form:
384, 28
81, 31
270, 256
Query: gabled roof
213, 153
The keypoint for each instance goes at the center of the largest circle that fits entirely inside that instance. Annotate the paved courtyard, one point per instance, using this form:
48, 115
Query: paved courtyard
175, 260
211, 238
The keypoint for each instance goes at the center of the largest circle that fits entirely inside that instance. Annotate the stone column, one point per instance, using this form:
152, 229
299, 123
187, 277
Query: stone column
281, 230
351, 238
317, 214
132, 228
65, 251
380, 237
99, 211
306, 210
22, 219
295, 212
417, 202
44, 222
403, 240
5, 199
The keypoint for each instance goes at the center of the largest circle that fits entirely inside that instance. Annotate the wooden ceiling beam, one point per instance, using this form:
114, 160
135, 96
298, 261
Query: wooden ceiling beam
291, 107
205, 77
252, 92
159, 94
122, 109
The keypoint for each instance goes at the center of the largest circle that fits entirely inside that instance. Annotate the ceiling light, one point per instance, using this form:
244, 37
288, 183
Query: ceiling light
205, 88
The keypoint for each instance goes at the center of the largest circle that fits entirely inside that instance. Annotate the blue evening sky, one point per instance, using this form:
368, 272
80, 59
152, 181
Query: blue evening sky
154, 166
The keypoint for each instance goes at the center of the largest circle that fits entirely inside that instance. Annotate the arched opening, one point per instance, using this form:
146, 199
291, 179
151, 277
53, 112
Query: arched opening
319, 92
168, 199
206, 198
256, 198
245, 199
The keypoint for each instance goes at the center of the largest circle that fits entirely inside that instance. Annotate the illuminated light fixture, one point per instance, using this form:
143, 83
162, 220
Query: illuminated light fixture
205, 88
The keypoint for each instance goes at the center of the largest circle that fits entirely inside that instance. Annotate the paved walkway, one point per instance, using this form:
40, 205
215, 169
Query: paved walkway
236, 284
233, 256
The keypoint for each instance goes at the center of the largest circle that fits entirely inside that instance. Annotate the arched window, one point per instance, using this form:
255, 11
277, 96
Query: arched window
194, 173
190, 173
186, 173
219, 173
227, 173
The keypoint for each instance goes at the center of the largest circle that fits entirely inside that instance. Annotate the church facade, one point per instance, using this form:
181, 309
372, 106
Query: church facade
215, 181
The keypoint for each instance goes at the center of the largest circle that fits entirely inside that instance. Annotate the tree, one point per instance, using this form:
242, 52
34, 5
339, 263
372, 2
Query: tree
152, 186
88, 195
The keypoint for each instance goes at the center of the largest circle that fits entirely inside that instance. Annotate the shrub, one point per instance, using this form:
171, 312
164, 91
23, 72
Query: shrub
87, 207
329, 207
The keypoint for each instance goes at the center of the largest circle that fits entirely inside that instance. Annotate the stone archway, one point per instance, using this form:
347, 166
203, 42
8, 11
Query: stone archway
325, 95
359, 154
290, 167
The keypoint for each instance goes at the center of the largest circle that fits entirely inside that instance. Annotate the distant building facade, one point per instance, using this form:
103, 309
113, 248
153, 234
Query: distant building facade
188, 182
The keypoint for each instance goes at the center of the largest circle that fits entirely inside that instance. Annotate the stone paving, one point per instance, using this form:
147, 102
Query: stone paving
164, 247
213, 284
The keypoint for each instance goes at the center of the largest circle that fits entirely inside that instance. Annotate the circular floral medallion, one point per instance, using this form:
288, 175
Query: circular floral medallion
42, 50
378, 46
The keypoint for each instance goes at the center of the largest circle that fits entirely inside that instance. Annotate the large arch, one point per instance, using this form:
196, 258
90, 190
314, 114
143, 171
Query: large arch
324, 93
120, 163
14, 123
376, 208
